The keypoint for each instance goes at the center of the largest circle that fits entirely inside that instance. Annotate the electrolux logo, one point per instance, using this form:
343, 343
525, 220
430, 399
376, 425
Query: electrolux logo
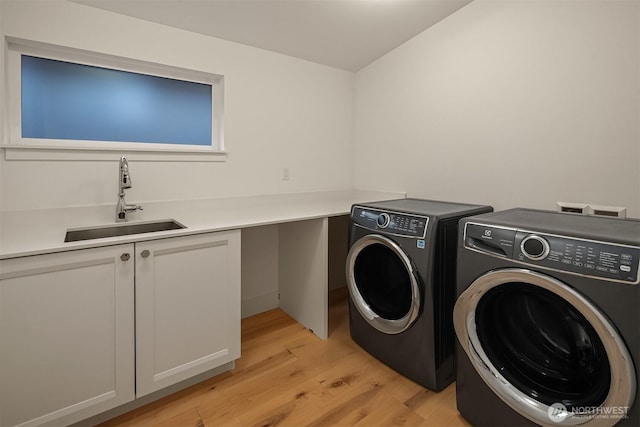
558, 412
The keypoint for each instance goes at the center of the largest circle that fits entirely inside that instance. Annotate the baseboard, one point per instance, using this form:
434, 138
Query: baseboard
338, 295
259, 304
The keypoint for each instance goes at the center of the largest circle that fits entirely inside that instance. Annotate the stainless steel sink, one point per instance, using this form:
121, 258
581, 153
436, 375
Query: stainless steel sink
101, 232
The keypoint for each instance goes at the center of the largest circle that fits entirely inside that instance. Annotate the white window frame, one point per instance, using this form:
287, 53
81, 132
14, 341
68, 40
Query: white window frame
19, 148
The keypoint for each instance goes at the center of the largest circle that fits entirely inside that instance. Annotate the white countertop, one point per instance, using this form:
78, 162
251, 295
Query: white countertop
25, 233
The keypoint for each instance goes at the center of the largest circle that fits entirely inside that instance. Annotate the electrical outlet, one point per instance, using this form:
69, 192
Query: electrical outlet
285, 174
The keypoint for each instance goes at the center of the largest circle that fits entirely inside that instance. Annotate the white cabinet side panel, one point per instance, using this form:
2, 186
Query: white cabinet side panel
303, 273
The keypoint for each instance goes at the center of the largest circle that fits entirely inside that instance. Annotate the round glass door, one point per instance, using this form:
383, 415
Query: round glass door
382, 284
544, 349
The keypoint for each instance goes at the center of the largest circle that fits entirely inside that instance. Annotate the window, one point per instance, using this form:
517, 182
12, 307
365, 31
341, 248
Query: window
66, 99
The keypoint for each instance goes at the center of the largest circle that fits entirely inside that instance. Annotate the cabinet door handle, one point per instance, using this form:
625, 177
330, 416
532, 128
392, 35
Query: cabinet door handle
145, 253
125, 257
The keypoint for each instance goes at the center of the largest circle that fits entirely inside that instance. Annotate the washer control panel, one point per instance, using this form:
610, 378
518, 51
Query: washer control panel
397, 223
581, 256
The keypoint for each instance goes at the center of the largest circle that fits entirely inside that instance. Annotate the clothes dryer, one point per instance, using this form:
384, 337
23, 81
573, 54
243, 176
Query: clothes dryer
547, 319
401, 279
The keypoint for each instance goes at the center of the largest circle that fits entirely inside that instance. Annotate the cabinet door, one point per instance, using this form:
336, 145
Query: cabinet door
66, 335
187, 307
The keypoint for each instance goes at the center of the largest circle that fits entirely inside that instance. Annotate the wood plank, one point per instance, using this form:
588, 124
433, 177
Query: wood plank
295, 407
287, 376
392, 413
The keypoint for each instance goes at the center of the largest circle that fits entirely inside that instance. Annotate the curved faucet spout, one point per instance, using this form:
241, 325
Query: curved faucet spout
124, 182
125, 178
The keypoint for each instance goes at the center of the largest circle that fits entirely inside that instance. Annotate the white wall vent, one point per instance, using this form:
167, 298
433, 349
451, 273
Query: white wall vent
609, 211
575, 208
595, 210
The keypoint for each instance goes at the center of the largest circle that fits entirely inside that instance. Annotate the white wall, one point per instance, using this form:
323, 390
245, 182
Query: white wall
279, 112
509, 103
2, 105
259, 269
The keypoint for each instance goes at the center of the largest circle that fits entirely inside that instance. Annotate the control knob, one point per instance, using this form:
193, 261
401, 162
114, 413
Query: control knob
383, 220
534, 247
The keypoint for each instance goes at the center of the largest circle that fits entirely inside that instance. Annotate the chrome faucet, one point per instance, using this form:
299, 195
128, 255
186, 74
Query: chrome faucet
124, 182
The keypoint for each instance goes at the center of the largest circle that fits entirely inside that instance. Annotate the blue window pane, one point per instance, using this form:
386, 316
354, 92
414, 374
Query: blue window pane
63, 100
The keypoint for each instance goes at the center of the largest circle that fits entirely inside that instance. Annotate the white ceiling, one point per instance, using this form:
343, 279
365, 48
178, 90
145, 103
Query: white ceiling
347, 34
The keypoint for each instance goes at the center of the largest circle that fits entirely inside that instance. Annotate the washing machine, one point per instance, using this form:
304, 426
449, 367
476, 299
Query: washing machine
401, 280
547, 319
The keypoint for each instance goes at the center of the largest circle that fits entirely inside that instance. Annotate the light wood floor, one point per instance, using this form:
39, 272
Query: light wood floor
289, 377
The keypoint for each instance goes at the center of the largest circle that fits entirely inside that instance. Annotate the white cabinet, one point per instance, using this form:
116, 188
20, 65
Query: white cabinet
187, 307
66, 335
74, 344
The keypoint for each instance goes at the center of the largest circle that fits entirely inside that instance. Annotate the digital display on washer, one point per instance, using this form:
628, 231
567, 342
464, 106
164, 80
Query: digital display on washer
580, 256
391, 222
586, 257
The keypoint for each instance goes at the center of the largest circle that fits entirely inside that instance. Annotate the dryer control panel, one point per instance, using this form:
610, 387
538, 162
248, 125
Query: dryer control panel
561, 253
397, 223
